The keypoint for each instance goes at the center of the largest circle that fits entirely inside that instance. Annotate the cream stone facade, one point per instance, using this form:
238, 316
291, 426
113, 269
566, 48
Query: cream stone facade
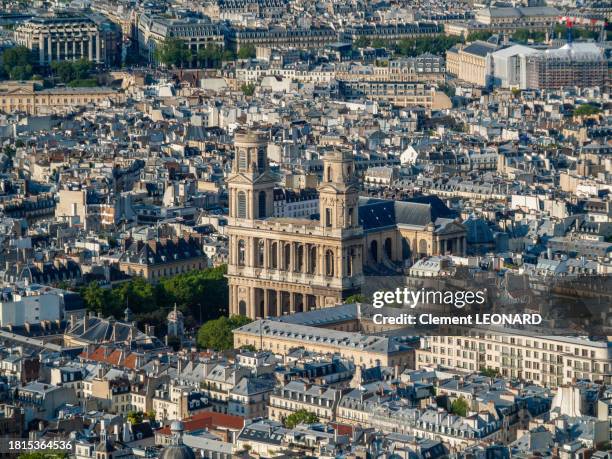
281, 266
545, 360
470, 62
24, 97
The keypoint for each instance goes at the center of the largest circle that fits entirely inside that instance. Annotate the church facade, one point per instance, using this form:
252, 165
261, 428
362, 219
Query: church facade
280, 266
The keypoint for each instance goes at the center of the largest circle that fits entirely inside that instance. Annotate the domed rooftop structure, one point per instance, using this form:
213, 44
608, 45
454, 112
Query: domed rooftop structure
175, 314
177, 450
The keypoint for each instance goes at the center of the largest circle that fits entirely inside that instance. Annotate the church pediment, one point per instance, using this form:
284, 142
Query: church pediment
337, 188
249, 179
451, 228
17, 92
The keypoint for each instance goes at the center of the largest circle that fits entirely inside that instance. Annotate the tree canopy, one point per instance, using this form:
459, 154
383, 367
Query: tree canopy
460, 407
246, 52
435, 45
248, 89
300, 417
18, 63
70, 71
173, 52
200, 294
217, 334
586, 110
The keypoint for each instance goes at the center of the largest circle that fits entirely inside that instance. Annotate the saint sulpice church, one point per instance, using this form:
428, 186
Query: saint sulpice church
281, 266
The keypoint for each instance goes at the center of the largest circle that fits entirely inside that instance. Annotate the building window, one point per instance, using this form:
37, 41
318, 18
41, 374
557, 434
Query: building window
261, 159
312, 260
242, 161
329, 263
374, 251
388, 248
260, 253
242, 210
328, 218
274, 255
241, 253
300, 259
287, 256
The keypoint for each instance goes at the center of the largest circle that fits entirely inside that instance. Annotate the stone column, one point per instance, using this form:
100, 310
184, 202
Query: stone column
66, 49
41, 50
90, 51
50, 47
251, 306
279, 304
98, 49
59, 55
291, 303
74, 54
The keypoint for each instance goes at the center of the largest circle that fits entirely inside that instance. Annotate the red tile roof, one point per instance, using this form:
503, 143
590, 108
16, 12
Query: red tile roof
208, 420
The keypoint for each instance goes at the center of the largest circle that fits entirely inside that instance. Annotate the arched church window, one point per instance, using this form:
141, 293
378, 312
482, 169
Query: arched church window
374, 251
261, 159
300, 258
329, 263
241, 253
260, 253
328, 218
312, 261
274, 255
286, 256
388, 248
242, 205
242, 161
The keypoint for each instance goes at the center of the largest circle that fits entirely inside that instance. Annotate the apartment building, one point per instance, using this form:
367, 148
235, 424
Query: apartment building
154, 30
27, 98
545, 360
313, 37
280, 338
398, 93
299, 395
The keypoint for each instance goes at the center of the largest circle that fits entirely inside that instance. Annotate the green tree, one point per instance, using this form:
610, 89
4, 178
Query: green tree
357, 298
489, 372
135, 417
98, 299
247, 52
480, 35
44, 455
361, 42
379, 43
434, 45
217, 334
300, 417
200, 294
525, 35
173, 52
460, 407
18, 63
586, 110
248, 89
150, 415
